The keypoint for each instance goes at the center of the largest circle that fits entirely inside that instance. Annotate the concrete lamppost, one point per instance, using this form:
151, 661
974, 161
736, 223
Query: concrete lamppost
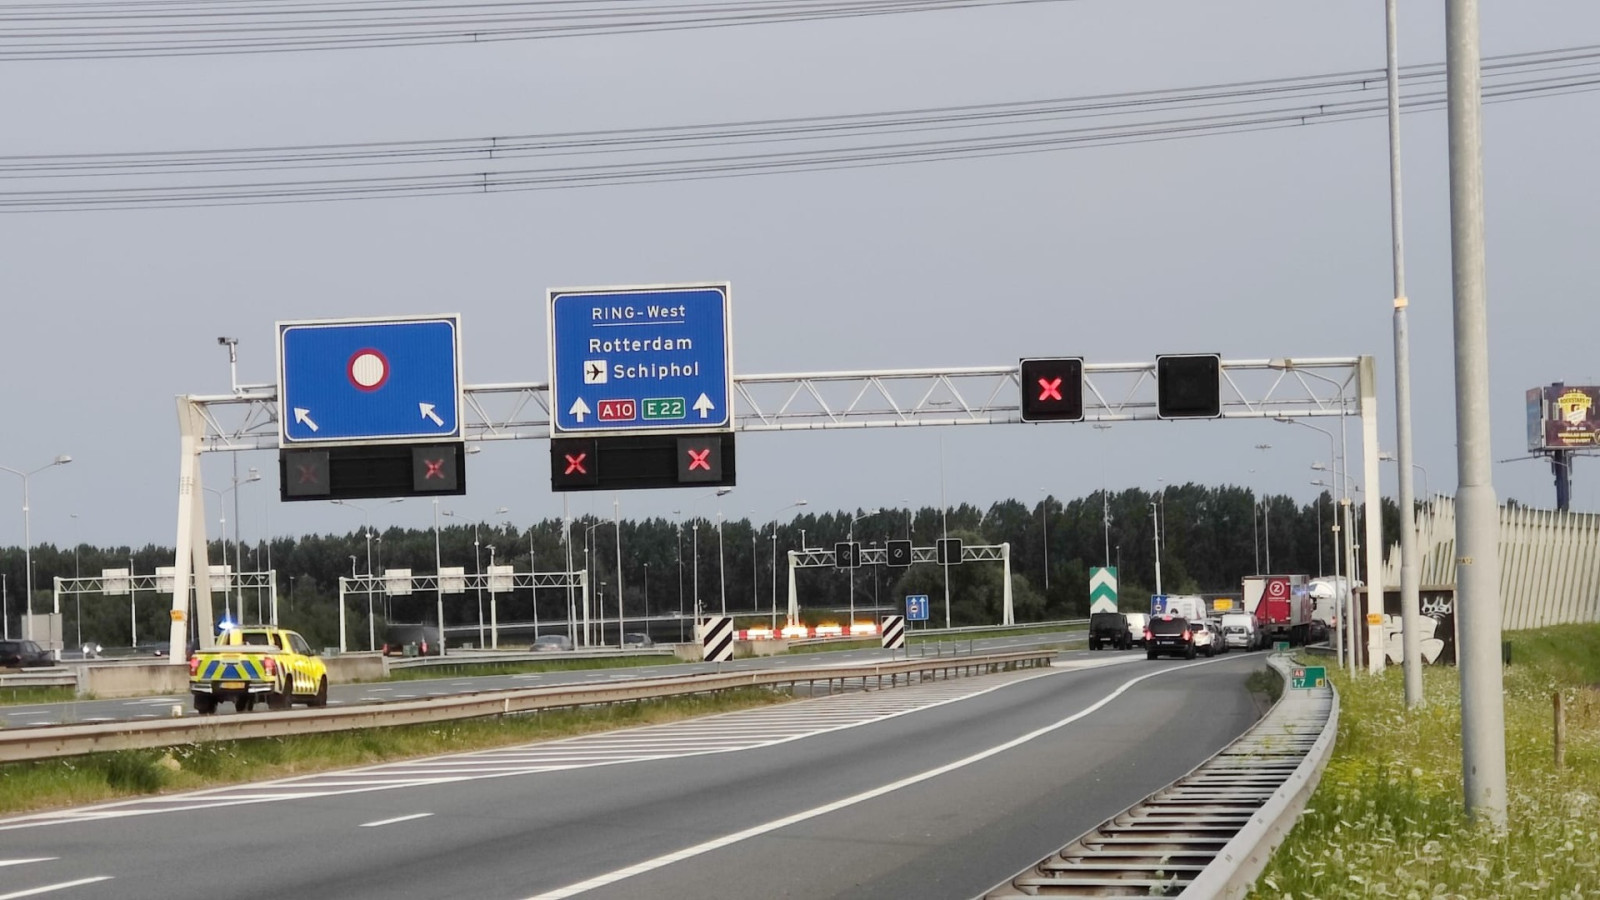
27, 537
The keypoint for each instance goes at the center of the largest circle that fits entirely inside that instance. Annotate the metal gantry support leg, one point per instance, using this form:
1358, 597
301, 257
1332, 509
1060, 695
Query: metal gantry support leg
1368, 389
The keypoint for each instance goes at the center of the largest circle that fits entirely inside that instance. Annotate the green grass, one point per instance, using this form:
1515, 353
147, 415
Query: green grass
1387, 819
480, 669
101, 777
21, 696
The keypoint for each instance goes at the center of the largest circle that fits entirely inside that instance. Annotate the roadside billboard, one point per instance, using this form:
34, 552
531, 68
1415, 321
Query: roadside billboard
1569, 417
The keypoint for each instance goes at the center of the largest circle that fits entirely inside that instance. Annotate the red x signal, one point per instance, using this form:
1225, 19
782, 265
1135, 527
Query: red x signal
700, 460
575, 464
1050, 388
435, 469
310, 474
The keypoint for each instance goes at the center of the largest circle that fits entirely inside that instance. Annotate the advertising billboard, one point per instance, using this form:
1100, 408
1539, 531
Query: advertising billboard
1569, 417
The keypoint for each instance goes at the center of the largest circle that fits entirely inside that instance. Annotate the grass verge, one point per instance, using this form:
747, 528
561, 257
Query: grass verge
479, 669
102, 777
1387, 819
21, 696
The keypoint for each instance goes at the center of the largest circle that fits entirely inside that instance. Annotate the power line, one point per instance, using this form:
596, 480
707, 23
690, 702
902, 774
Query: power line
569, 160
157, 28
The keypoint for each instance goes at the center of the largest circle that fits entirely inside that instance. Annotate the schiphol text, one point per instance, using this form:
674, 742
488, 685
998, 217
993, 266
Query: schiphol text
661, 371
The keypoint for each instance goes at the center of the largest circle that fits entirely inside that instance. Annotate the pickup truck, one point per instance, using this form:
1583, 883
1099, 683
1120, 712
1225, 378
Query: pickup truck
257, 663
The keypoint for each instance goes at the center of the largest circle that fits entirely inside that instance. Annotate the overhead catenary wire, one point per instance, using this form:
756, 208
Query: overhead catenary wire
156, 28
567, 160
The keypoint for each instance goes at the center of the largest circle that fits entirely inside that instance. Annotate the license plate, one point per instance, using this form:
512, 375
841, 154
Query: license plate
232, 685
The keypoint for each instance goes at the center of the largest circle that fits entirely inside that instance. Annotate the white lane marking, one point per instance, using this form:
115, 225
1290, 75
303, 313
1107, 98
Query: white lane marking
381, 822
668, 859
30, 892
377, 689
23, 862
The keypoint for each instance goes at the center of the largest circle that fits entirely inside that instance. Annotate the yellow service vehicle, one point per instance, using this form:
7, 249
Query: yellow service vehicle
257, 663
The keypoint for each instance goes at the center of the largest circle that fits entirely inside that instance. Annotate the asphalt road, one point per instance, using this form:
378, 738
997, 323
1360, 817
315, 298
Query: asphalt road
937, 791
37, 714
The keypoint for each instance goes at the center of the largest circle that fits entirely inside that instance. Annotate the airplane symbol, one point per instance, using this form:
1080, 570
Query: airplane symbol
594, 371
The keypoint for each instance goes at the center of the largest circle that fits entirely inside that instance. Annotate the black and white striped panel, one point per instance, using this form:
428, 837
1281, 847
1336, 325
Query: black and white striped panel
894, 632
717, 639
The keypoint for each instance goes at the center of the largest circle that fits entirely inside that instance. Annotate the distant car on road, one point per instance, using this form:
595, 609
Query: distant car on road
1136, 625
1109, 629
161, 648
550, 642
637, 639
24, 654
1170, 635
424, 637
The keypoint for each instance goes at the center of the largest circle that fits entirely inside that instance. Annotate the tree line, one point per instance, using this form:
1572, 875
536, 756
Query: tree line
1210, 538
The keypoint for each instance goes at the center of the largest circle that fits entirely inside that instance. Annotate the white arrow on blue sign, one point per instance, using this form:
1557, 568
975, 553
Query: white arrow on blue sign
640, 359
369, 380
917, 607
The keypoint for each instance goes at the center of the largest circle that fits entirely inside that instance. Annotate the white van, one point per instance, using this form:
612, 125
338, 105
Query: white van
1136, 625
1240, 630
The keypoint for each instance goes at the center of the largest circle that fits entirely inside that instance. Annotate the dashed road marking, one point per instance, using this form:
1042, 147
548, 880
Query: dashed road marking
382, 822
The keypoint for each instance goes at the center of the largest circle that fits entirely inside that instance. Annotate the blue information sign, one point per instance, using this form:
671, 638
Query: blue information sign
370, 380
1158, 604
917, 607
640, 359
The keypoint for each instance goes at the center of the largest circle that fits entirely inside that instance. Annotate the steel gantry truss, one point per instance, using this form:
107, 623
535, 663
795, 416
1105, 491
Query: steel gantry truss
494, 583
1272, 388
817, 558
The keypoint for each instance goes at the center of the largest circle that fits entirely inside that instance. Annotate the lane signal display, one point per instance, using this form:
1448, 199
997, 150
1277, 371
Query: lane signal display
1052, 389
948, 551
847, 555
898, 553
1189, 386
573, 463
435, 469
700, 459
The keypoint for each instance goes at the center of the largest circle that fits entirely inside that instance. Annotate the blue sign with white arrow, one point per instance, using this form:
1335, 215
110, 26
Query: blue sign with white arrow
917, 607
369, 380
640, 359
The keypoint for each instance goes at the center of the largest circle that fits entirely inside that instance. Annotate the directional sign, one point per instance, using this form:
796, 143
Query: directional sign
1306, 677
1158, 604
640, 359
356, 381
917, 607
1102, 589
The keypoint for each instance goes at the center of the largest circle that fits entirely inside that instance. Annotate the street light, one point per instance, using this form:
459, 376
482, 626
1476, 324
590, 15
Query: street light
27, 536
438, 578
774, 520
1044, 528
1387, 456
695, 526
253, 475
852, 573
1266, 516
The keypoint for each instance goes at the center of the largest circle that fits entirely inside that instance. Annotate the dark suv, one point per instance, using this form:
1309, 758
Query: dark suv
20, 654
1109, 629
1170, 635
424, 637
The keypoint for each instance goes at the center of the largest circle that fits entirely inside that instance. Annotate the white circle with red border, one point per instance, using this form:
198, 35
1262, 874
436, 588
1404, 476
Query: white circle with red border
1277, 589
368, 369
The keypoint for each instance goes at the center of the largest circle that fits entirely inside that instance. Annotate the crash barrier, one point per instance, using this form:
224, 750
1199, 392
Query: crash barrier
72, 740
1211, 832
492, 657
39, 678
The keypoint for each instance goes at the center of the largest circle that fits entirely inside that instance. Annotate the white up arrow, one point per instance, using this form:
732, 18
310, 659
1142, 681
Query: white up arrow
428, 413
303, 417
704, 406
579, 409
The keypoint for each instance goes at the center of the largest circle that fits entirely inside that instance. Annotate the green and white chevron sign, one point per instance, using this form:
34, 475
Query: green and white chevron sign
1103, 589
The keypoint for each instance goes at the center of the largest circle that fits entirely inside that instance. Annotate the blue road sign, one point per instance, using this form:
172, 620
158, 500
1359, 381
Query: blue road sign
369, 380
640, 359
917, 607
1158, 604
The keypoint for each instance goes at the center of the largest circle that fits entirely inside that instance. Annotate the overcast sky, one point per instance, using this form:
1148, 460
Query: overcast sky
1253, 245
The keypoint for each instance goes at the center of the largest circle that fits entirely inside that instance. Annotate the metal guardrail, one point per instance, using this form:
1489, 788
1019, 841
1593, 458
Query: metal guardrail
493, 657
72, 740
40, 678
1211, 832
923, 635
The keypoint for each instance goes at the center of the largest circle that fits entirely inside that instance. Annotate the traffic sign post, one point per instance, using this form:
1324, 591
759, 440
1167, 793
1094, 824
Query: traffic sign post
640, 359
917, 607
363, 381
1307, 677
